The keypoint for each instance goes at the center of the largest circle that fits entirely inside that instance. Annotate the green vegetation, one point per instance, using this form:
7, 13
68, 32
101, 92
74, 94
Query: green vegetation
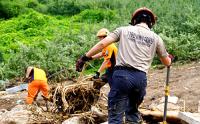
52, 34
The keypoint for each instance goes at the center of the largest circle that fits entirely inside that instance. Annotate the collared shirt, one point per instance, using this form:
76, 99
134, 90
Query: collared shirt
137, 46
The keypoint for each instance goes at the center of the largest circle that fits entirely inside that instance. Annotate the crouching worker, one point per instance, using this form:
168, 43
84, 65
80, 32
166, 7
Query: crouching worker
37, 82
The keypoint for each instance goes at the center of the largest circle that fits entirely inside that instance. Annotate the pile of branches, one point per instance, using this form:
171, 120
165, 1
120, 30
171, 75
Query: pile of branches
78, 98
75, 98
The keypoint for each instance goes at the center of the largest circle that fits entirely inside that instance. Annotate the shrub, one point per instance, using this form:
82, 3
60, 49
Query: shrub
97, 15
9, 9
31, 20
64, 7
33, 38
1, 57
32, 4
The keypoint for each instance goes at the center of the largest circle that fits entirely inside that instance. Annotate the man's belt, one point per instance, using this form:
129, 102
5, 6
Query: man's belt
126, 68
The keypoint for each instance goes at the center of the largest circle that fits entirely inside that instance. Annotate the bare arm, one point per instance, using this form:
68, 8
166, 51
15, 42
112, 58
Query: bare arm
166, 61
29, 72
162, 53
97, 56
103, 66
100, 45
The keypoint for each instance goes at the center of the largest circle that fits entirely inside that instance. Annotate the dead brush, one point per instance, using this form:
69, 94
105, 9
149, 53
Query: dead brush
77, 97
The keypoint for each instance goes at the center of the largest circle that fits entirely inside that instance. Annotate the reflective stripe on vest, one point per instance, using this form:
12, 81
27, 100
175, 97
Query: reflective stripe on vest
39, 74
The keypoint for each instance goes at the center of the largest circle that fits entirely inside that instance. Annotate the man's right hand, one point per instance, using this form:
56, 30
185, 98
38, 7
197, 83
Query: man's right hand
81, 61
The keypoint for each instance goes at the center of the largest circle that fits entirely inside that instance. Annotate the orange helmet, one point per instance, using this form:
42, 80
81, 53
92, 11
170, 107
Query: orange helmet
143, 10
102, 32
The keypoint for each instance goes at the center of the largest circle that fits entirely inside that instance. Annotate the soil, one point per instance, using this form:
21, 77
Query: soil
183, 80
8, 101
7, 104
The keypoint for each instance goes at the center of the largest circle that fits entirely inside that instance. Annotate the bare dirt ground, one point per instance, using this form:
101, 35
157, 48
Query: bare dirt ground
184, 83
9, 101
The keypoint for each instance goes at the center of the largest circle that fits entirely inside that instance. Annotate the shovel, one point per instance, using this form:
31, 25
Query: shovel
166, 96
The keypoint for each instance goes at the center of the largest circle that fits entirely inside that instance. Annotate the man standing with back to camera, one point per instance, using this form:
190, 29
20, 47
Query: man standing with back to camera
137, 48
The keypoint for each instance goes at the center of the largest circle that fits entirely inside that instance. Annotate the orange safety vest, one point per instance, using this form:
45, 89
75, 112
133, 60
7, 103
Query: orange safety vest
110, 53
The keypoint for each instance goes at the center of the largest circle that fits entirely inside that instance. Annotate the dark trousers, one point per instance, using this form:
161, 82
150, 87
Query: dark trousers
128, 89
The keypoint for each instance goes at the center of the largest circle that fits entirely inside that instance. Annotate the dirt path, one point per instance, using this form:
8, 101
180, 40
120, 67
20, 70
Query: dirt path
184, 83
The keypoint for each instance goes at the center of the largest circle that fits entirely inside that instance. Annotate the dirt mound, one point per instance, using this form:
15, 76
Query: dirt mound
184, 83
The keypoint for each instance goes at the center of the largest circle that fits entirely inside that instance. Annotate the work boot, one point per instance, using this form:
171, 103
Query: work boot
139, 122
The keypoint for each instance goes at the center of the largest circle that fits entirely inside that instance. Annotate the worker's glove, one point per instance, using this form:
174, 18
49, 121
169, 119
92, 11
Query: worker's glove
96, 76
81, 61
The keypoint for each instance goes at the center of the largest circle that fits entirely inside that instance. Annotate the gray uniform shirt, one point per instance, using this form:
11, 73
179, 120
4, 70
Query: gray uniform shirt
137, 46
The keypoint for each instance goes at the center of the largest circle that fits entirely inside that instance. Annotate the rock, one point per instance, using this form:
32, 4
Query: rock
3, 93
190, 118
2, 111
153, 106
73, 120
97, 112
18, 115
3, 84
170, 107
17, 88
103, 98
171, 99
19, 102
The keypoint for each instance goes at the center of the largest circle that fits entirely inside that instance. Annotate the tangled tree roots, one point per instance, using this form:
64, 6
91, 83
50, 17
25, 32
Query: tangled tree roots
75, 98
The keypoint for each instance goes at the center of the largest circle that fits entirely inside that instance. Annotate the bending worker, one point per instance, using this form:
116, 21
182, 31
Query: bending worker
138, 45
109, 54
37, 82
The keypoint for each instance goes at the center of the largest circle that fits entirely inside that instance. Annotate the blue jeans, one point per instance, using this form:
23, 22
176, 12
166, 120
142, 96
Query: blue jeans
128, 89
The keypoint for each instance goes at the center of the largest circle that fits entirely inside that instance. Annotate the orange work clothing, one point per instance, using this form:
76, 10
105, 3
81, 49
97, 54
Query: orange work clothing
34, 88
110, 53
38, 83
